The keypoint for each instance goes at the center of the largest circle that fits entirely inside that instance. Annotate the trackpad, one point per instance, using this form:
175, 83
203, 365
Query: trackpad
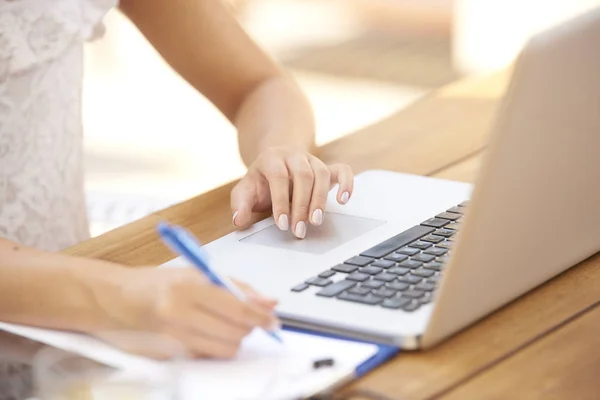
336, 230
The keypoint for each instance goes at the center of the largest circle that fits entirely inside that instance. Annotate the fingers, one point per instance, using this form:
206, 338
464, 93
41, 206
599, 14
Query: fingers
342, 175
254, 296
277, 174
270, 179
303, 178
321, 185
208, 320
215, 327
227, 307
200, 345
243, 198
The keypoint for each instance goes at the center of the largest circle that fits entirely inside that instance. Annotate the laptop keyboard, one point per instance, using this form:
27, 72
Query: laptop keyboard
399, 273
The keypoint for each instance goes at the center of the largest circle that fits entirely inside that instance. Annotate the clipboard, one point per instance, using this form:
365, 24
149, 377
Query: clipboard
384, 353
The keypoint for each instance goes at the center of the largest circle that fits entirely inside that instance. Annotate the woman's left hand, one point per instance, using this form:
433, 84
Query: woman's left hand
288, 173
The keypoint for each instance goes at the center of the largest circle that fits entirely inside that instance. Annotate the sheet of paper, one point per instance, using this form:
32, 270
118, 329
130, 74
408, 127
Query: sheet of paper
264, 369
268, 370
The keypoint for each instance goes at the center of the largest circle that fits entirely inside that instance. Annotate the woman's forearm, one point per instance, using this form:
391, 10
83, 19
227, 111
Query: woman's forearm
57, 291
275, 113
204, 43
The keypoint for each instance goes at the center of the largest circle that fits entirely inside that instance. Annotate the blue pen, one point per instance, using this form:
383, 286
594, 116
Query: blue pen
185, 244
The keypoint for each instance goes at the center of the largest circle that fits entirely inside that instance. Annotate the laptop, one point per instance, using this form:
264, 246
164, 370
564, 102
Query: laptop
412, 260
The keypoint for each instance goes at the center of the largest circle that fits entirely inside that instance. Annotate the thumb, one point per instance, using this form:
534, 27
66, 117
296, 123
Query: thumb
243, 199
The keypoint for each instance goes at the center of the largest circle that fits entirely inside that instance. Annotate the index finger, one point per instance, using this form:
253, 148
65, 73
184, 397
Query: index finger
225, 305
277, 174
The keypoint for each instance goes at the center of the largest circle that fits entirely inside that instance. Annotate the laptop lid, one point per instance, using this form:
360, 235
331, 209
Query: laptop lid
534, 210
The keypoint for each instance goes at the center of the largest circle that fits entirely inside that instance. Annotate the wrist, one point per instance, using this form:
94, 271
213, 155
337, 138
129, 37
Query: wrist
276, 113
106, 285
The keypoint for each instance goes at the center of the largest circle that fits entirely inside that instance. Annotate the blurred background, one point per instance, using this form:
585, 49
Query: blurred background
151, 140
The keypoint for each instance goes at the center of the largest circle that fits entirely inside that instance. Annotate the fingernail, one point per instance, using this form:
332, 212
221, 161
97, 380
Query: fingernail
283, 223
275, 325
300, 229
345, 197
235, 214
317, 217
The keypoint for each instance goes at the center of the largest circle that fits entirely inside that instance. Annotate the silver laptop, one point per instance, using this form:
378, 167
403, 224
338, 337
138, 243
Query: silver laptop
410, 261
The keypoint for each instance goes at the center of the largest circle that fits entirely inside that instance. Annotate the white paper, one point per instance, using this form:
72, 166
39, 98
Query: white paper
264, 369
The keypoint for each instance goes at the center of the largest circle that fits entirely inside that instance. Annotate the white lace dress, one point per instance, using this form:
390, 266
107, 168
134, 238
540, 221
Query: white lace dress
41, 170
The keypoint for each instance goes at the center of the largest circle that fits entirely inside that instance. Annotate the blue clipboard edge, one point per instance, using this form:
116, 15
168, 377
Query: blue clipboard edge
384, 353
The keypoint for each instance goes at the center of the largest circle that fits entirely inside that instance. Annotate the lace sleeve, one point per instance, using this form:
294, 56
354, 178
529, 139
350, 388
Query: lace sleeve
35, 31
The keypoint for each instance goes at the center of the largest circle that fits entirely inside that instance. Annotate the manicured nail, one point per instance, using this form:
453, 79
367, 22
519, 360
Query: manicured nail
275, 325
345, 197
235, 214
283, 223
300, 229
317, 217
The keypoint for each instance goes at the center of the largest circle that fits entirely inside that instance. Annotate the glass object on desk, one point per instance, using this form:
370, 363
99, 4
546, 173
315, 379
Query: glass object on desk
62, 375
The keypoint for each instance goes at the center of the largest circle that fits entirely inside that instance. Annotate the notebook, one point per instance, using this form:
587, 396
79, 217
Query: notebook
263, 369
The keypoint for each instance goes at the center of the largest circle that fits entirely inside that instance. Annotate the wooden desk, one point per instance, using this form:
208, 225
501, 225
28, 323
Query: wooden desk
545, 345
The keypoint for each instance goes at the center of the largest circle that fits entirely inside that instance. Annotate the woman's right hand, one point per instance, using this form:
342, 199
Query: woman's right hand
180, 303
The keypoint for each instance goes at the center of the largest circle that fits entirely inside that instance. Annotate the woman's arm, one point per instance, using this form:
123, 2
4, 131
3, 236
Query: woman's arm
70, 293
204, 43
56, 291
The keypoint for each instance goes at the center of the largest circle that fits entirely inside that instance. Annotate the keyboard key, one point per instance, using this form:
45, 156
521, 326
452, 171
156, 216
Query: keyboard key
368, 299
410, 279
398, 286
464, 203
345, 268
359, 260
327, 274
421, 245
457, 209
449, 216
412, 264
372, 284
336, 288
394, 243
455, 226
413, 294
300, 287
436, 251
445, 245
370, 270
412, 306
425, 273
409, 251
435, 222
443, 259
385, 277
383, 264
425, 299
358, 276
383, 292
425, 286
434, 279
397, 257
423, 258
316, 281
436, 266
444, 232
433, 238
395, 303
361, 291
398, 271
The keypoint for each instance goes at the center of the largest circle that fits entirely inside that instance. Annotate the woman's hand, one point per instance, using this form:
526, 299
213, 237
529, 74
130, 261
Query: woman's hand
288, 173
181, 304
